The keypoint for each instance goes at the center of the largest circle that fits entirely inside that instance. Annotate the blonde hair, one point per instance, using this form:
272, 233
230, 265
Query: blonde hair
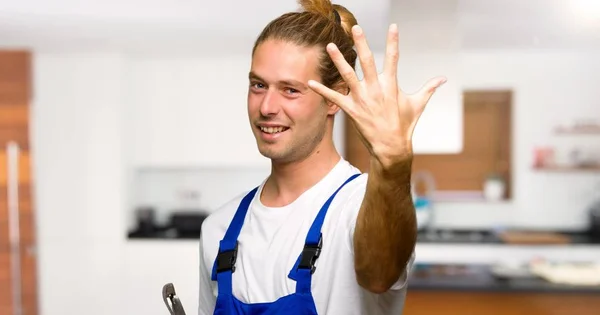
316, 26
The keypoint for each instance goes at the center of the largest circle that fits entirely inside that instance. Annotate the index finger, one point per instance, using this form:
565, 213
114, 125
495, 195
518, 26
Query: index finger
346, 71
327, 93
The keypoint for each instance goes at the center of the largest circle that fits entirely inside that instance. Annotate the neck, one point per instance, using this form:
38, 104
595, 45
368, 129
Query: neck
289, 180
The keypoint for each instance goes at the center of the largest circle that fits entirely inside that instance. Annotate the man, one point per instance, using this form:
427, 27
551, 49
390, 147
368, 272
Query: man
318, 237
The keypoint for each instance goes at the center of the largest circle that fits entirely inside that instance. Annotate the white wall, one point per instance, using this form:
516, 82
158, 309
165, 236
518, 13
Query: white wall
85, 264
549, 88
190, 112
80, 183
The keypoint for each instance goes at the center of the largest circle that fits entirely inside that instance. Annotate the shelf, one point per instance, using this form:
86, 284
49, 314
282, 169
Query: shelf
566, 168
577, 131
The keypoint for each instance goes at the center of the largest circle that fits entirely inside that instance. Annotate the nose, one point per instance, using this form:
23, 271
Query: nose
269, 105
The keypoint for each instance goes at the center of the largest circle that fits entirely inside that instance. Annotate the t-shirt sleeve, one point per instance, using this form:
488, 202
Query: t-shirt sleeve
207, 300
351, 208
401, 283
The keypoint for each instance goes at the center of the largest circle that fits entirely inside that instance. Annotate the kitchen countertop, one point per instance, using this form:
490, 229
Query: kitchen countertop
440, 277
163, 234
437, 237
448, 236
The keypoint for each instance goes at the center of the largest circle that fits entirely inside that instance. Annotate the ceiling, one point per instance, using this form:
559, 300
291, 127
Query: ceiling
228, 26
156, 24
530, 24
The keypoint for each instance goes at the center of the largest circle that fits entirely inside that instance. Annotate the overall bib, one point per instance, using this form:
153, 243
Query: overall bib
300, 302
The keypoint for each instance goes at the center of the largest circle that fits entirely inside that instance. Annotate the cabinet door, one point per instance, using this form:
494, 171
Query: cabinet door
17, 239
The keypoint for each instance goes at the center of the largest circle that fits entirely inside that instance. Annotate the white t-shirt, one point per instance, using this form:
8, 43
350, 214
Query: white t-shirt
272, 239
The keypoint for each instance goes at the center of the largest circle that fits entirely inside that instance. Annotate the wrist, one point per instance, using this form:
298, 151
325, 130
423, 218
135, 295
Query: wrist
397, 166
389, 159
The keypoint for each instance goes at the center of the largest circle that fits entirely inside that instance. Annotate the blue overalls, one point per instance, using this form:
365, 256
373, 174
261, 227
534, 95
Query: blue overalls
300, 302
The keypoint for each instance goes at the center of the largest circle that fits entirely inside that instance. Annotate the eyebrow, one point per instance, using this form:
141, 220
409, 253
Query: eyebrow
254, 76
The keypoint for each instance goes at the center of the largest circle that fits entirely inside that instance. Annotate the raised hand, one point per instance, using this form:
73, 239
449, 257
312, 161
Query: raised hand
384, 115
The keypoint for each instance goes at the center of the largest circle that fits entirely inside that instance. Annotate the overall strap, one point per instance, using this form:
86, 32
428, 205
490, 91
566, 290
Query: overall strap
224, 264
305, 266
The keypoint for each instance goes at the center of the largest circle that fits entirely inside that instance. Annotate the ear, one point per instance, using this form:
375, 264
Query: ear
341, 88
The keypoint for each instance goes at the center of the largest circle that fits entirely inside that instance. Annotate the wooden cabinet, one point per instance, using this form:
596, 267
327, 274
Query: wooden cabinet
17, 240
500, 303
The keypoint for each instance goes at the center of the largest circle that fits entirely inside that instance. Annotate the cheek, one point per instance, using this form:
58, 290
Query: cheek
307, 112
296, 111
253, 103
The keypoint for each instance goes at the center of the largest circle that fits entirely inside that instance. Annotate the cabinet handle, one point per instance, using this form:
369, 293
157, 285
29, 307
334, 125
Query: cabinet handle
13, 152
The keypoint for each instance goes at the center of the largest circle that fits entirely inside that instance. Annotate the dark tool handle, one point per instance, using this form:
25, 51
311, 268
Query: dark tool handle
169, 295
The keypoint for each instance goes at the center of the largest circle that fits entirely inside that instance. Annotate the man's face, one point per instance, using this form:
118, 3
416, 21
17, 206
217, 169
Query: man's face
288, 119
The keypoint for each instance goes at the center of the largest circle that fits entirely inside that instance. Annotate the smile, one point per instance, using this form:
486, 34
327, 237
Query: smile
273, 130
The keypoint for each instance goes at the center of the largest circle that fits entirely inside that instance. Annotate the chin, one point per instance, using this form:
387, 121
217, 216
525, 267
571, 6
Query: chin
279, 155
271, 153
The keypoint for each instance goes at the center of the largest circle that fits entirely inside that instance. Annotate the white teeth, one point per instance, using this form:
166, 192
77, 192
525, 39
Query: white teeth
272, 129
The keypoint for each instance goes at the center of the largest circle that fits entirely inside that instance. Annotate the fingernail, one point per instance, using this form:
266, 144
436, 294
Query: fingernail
357, 30
393, 27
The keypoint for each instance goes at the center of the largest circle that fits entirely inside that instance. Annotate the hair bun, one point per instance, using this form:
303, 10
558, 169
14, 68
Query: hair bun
338, 19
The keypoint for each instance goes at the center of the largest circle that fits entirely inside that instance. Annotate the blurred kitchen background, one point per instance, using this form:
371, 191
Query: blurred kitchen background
123, 125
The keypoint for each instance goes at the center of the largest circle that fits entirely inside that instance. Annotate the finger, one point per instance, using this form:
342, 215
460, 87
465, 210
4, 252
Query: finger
429, 88
365, 56
345, 69
329, 94
390, 66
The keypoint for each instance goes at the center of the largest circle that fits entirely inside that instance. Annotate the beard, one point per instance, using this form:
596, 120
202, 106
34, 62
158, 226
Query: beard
295, 146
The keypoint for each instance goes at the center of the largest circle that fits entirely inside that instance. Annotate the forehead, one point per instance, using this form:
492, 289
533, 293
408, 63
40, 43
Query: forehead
276, 60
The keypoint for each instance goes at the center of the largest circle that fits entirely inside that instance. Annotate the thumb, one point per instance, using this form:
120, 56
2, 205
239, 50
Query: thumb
429, 88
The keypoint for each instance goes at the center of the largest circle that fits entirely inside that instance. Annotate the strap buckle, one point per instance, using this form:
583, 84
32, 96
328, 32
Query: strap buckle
310, 254
226, 259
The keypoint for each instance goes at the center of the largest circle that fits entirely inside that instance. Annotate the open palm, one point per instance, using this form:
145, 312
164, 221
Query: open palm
383, 114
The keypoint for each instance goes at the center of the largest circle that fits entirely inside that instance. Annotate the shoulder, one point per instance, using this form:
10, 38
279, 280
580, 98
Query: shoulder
215, 225
346, 204
352, 194
347, 170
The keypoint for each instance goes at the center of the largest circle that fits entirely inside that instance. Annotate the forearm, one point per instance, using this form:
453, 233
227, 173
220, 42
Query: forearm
386, 228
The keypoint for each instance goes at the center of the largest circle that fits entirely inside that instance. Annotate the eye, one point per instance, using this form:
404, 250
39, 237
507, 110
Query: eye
257, 85
291, 91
